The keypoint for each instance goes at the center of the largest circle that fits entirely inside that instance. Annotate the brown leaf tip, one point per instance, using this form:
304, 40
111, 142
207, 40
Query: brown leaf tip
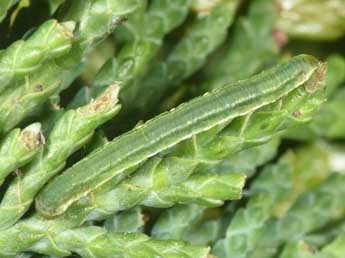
39, 87
204, 8
32, 136
318, 79
67, 28
103, 103
297, 113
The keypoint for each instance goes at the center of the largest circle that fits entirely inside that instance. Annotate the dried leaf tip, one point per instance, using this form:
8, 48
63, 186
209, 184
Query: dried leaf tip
204, 7
67, 28
32, 136
318, 79
322, 70
104, 102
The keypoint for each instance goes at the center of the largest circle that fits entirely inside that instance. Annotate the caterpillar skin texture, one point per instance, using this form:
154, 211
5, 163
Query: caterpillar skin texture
168, 129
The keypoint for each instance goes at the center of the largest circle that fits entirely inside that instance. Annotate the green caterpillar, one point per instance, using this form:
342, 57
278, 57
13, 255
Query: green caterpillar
168, 129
